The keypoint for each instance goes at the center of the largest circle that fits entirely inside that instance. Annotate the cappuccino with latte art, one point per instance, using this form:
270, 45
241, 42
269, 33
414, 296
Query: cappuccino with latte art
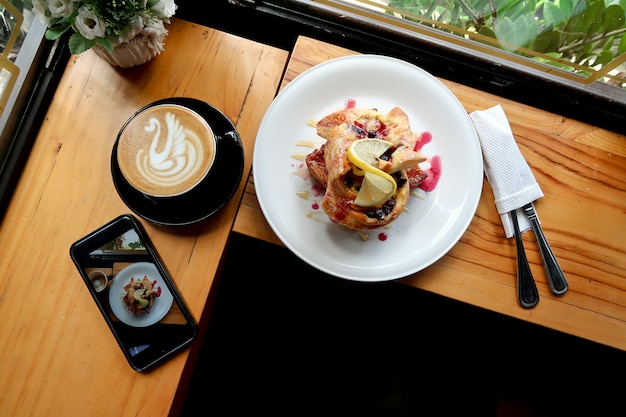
166, 150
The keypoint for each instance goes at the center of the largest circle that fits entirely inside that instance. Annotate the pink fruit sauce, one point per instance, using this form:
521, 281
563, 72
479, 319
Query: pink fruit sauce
424, 139
434, 174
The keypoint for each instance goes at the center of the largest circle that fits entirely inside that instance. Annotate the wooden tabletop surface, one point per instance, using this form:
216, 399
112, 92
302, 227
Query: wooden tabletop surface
582, 172
58, 356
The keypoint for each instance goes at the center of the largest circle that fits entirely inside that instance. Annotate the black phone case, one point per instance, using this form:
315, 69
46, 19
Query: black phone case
162, 346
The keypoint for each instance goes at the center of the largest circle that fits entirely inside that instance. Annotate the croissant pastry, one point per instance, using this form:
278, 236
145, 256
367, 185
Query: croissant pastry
333, 169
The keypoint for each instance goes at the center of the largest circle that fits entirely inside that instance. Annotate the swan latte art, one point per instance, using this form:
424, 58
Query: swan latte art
166, 150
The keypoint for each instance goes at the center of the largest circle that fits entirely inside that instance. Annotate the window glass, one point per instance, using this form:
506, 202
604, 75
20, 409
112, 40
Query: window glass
579, 40
12, 33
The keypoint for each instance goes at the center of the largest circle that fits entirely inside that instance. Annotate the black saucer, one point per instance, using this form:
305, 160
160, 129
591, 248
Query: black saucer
210, 195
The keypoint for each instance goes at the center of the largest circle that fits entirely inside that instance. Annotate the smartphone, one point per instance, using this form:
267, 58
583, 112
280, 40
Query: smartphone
134, 292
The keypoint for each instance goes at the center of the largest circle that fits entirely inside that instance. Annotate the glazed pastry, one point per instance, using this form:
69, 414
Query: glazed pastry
331, 166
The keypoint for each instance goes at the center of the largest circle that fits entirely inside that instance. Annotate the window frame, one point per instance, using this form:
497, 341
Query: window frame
39, 76
596, 103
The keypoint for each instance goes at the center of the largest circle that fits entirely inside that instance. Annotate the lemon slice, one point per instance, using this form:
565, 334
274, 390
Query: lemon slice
141, 302
375, 189
364, 153
377, 186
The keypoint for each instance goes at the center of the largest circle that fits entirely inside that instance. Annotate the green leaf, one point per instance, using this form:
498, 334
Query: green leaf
552, 15
566, 7
532, 29
105, 43
505, 33
593, 17
487, 31
579, 6
55, 32
603, 58
405, 5
621, 49
548, 41
556, 62
79, 44
613, 18
585, 23
515, 34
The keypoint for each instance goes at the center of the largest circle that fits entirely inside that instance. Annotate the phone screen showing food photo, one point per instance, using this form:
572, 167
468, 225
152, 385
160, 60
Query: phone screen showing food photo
133, 292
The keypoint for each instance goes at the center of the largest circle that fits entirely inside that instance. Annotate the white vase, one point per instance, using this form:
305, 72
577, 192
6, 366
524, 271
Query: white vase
137, 51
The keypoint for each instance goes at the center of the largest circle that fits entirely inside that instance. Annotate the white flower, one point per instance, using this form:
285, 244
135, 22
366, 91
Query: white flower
40, 7
164, 9
89, 24
61, 8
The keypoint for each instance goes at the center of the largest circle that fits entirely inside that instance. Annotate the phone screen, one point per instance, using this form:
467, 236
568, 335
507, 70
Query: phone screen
133, 291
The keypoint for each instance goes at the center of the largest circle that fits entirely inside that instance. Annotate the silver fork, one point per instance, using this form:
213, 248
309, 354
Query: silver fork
554, 273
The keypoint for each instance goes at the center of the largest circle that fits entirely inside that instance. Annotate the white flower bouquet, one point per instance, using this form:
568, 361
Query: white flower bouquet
106, 23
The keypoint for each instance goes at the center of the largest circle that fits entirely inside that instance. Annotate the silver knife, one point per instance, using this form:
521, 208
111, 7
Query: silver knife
556, 277
527, 293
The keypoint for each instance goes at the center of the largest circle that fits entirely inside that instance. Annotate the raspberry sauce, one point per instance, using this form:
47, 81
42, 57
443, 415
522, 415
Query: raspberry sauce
424, 139
434, 174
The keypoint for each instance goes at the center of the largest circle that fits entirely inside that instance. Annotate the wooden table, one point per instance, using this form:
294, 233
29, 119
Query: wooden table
582, 172
58, 357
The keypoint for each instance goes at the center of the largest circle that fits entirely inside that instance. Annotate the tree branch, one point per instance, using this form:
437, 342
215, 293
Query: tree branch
592, 40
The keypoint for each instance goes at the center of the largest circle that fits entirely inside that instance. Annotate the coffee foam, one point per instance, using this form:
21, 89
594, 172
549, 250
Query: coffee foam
166, 150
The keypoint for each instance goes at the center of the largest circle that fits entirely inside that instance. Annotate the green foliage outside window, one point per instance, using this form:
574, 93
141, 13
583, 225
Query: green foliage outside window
580, 36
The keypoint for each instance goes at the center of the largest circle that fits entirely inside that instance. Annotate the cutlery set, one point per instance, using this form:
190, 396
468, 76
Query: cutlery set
527, 293
515, 188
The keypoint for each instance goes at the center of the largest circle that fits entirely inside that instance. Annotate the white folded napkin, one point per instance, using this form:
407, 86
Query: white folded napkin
509, 176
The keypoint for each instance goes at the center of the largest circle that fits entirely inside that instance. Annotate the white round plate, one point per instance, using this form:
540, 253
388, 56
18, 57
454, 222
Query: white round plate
429, 227
161, 304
